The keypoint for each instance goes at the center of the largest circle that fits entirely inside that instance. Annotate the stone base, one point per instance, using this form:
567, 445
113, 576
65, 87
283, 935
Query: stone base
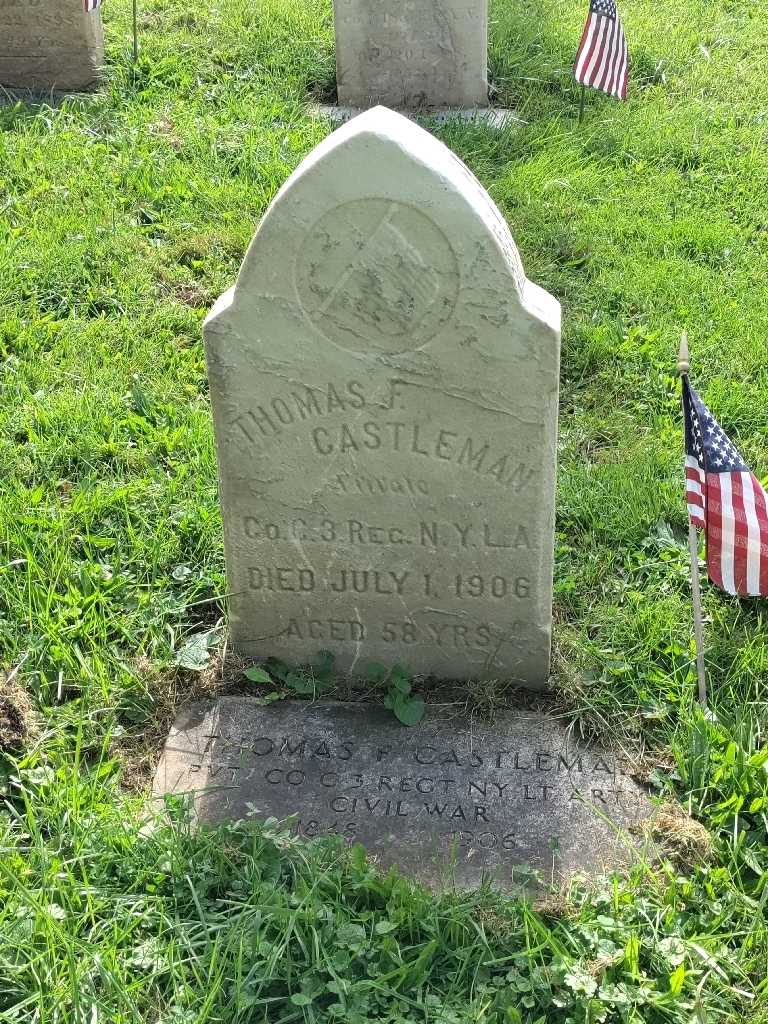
451, 802
494, 117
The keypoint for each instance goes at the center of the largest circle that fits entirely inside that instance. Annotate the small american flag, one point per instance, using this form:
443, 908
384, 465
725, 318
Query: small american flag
726, 501
91, 5
602, 60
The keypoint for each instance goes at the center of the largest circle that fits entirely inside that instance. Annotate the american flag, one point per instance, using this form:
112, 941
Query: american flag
726, 501
91, 5
602, 60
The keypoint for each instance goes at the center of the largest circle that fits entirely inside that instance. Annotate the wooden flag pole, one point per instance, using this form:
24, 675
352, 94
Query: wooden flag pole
135, 31
683, 365
581, 103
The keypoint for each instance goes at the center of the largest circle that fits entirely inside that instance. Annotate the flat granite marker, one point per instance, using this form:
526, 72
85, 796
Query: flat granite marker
442, 801
49, 44
384, 383
412, 53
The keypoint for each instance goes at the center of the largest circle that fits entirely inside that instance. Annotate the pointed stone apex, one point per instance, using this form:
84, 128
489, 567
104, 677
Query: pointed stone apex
385, 124
380, 120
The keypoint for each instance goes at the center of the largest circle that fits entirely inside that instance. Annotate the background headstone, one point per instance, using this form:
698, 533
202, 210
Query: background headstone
384, 383
412, 53
443, 801
49, 44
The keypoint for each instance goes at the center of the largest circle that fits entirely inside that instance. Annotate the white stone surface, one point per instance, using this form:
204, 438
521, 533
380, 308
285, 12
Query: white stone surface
412, 53
384, 383
49, 44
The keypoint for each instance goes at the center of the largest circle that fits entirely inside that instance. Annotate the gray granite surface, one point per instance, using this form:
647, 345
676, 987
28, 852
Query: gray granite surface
446, 801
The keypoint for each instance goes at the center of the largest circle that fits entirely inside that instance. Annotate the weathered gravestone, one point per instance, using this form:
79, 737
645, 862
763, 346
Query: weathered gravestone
49, 44
412, 53
444, 801
384, 383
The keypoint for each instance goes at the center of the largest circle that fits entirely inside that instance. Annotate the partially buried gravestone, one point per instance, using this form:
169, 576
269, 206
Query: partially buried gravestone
384, 382
412, 53
49, 44
446, 802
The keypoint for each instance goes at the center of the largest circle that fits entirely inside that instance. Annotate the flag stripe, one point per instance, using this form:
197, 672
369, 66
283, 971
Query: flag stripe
752, 580
594, 34
615, 53
697, 517
726, 547
714, 532
599, 56
694, 489
618, 66
608, 55
600, 34
740, 537
761, 514
581, 55
623, 73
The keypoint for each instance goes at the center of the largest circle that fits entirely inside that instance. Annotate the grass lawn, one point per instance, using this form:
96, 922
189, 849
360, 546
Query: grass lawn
122, 217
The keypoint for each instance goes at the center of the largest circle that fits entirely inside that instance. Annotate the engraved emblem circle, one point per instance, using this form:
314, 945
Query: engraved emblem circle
377, 274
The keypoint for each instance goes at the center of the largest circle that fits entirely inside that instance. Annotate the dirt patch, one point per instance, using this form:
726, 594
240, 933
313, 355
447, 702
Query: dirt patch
165, 129
18, 724
171, 690
554, 906
679, 837
190, 293
193, 295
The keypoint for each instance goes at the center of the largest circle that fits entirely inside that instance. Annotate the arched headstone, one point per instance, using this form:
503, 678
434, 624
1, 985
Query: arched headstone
384, 381
49, 44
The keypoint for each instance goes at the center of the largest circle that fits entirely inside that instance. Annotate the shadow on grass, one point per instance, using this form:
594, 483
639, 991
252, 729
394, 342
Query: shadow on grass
20, 106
